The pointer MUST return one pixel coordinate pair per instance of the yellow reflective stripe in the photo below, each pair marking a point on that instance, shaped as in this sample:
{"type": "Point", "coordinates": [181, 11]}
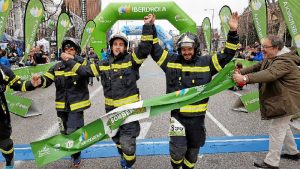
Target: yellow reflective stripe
{"type": "Point", "coordinates": [194, 108]}
{"type": "Point", "coordinates": [49, 75]}
{"type": "Point", "coordinates": [6, 78]}
{"type": "Point", "coordinates": [14, 80]}
{"type": "Point", "coordinates": [136, 59]}
{"type": "Point", "coordinates": [231, 46]}
{"type": "Point", "coordinates": [60, 105]}
{"type": "Point", "coordinates": [7, 152]}
{"type": "Point", "coordinates": [59, 73]}
{"type": "Point", "coordinates": [23, 89]}
{"type": "Point", "coordinates": [174, 65]}
{"type": "Point", "coordinates": [62, 73]}
{"type": "Point", "coordinates": [94, 70]}
{"type": "Point", "coordinates": [195, 69]}
{"type": "Point", "coordinates": [187, 163]}
{"type": "Point", "coordinates": [146, 37]}
{"type": "Point", "coordinates": [84, 63]}
{"type": "Point", "coordinates": [176, 161]}
{"type": "Point", "coordinates": [121, 102]}
{"type": "Point", "coordinates": [104, 68]}
{"type": "Point", "coordinates": [162, 57]}
{"type": "Point", "coordinates": [80, 105]}
{"type": "Point", "coordinates": [44, 83]}
{"type": "Point", "coordinates": [216, 62]}
{"type": "Point", "coordinates": [188, 68]}
{"type": "Point", "coordinates": [122, 65]}
{"type": "Point", "coordinates": [76, 67]}
{"type": "Point", "coordinates": [118, 145]}
{"type": "Point", "coordinates": [155, 40]}
{"type": "Point", "coordinates": [128, 157]}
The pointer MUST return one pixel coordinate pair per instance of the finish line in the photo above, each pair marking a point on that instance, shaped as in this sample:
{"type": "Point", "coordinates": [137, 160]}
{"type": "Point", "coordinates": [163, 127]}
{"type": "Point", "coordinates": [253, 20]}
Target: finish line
{"type": "Point", "coordinates": [154, 147]}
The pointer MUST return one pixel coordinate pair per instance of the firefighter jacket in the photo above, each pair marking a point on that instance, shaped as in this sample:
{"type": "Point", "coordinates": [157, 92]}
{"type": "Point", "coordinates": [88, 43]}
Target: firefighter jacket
{"type": "Point", "coordinates": [9, 79]}
{"type": "Point", "coordinates": [182, 74]}
{"type": "Point", "coordinates": [72, 92]}
{"type": "Point", "coordinates": [119, 74]}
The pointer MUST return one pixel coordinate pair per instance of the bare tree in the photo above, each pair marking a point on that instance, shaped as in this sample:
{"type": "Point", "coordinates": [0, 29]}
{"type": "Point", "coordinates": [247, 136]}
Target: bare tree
{"type": "Point", "coordinates": [276, 19]}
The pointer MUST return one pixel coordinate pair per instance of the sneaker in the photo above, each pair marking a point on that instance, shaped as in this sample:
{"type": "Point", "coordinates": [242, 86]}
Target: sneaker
{"type": "Point", "coordinates": [125, 167]}
{"type": "Point", "coordinates": [295, 157]}
{"type": "Point", "coordinates": [76, 162]}
{"type": "Point", "coordinates": [9, 167]}
{"type": "Point", "coordinates": [123, 162]}
{"type": "Point", "coordinates": [262, 164]}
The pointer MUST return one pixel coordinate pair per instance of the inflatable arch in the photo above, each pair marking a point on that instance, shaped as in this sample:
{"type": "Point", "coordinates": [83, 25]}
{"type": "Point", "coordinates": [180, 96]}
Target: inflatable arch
{"type": "Point", "coordinates": [136, 11]}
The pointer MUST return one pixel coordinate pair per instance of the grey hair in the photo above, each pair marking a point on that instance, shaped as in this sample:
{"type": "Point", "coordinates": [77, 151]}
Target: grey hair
{"type": "Point", "coordinates": [276, 41]}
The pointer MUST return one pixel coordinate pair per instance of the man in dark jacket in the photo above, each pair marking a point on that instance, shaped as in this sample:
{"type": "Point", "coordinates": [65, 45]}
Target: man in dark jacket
{"type": "Point", "coordinates": [278, 76]}
{"type": "Point", "coordinates": [119, 75]}
{"type": "Point", "coordinates": [8, 78]}
{"type": "Point", "coordinates": [72, 94]}
{"type": "Point", "coordinates": [184, 70]}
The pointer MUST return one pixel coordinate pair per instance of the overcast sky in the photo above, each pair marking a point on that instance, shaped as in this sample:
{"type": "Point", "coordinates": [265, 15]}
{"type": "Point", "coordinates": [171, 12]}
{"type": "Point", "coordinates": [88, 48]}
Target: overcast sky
{"type": "Point", "coordinates": [196, 8]}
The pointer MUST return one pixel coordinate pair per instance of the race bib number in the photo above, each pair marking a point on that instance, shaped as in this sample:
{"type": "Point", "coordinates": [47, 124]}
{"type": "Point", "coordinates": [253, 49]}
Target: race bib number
{"type": "Point", "coordinates": [176, 128]}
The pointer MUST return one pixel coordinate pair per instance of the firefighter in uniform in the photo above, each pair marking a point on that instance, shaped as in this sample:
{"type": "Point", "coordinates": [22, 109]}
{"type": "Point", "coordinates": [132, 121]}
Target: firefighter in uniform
{"type": "Point", "coordinates": [119, 74]}
{"type": "Point", "coordinates": [72, 94]}
{"type": "Point", "coordinates": [184, 70]}
{"type": "Point", "coordinates": [9, 79]}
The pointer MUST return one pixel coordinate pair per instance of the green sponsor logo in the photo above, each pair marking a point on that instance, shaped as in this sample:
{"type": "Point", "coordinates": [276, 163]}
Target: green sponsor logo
{"type": "Point", "coordinates": [65, 23]}
{"type": "Point", "coordinates": [4, 5]}
{"type": "Point", "coordinates": [36, 12]}
{"type": "Point", "coordinates": [256, 5]}
{"type": "Point", "coordinates": [85, 140]}
{"type": "Point", "coordinates": [126, 9]}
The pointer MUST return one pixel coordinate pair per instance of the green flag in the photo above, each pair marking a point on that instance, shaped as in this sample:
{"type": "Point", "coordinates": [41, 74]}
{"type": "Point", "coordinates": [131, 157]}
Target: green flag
{"type": "Point", "coordinates": [33, 17]}
{"type": "Point", "coordinates": [87, 33]}
{"type": "Point", "coordinates": [290, 12]}
{"type": "Point", "coordinates": [206, 27]}
{"type": "Point", "coordinates": [59, 146]}
{"type": "Point", "coordinates": [4, 11]}
{"type": "Point", "coordinates": [225, 14]}
{"type": "Point", "coordinates": [63, 25]}
{"type": "Point", "coordinates": [259, 14]}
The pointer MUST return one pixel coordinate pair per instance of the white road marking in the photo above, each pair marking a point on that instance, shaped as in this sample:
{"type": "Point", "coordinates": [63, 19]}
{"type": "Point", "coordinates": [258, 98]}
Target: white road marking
{"type": "Point", "coordinates": [238, 94]}
{"type": "Point", "coordinates": [223, 128]}
{"type": "Point", "coordinates": [145, 126]}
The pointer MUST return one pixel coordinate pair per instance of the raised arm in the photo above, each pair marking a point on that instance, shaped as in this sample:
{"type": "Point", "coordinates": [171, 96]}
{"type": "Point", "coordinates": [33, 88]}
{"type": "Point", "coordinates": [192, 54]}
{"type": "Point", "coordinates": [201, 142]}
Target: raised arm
{"type": "Point", "coordinates": [220, 59]}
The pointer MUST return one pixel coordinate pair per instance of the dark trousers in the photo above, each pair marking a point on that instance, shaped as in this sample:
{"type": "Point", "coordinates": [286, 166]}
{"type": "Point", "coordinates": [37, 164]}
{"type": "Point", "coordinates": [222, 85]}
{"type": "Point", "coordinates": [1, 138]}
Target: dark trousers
{"type": "Point", "coordinates": [70, 122]}
{"type": "Point", "coordinates": [7, 150]}
{"type": "Point", "coordinates": [184, 149]}
{"type": "Point", "coordinates": [125, 140]}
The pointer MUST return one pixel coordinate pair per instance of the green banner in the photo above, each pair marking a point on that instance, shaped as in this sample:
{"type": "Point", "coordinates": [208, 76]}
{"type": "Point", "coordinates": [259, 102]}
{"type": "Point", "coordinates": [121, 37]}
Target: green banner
{"type": "Point", "coordinates": [63, 25]}
{"type": "Point", "coordinates": [259, 15]}
{"type": "Point", "coordinates": [206, 27]}
{"type": "Point", "coordinates": [33, 17]}
{"type": "Point", "coordinates": [59, 146]}
{"type": "Point", "coordinates": [87, 33]}
{"type": "Point", "coordinates": [17, 104]}
{"type": "Point", "coordinates": [225, 14]}
{"type": "Point", "coordinates": [290, 12]}
{"type": "Point", "coordinates": [136, 11]}
{"type": "Point", "coordinates": [26, 72]}
{"type": "Point", "coordinates": [251, 101]}
{"type": "Point", "coordinates": [4, 11]}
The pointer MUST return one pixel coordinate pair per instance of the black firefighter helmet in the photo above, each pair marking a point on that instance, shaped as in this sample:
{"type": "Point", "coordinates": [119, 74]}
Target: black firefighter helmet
{"type": "Point", "coordinates": [188, 39]}
{"type": "Point", "coordinates": [71, 42]}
